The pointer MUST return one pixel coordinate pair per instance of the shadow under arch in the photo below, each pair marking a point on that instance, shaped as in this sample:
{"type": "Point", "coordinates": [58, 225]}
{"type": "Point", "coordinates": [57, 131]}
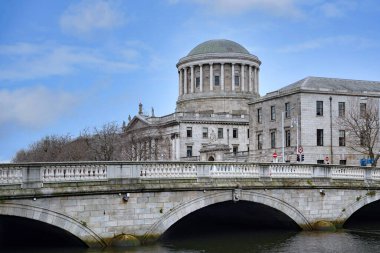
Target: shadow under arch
{"type": "Point", "coordinates": [74, 227]}
{"type": "Point", "coordinates": [355, 206]}
{"type": "Point", "coordinates": [183, 209]}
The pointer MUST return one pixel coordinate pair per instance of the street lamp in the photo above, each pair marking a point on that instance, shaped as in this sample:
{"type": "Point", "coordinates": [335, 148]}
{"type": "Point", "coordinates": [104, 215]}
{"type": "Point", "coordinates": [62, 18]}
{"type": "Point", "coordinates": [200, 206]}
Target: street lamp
{"type": "Point", "coordinates": [295, 120]}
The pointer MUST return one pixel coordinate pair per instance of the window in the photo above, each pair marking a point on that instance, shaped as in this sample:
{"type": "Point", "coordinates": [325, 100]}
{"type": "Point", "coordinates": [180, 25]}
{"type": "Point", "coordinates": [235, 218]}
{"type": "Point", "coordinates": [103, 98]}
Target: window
{"type": "Point", "coordinates": [272, 112]}
{"type": "Point", "coordinates": [197, 82]}
{"type": "Point", "coordinates": [235, 133]}
{"type": "Point", "coordinates": [319, 108]}
{"type": "Point", "coordinates": [189, 132]}
{"type": "Point", "coordinates": [287, 110]}
{"type": "Point", "coordinates": [220, 133]}
{"type": "Point", "coordinates": [216, 80]}
{"type": "Point", "coordinates": [342, 109]}
{"type": "Point", "coordinates": [205, 133]}
{"type": "Point", "coordinates": [363, 138]}
{"type": "Point", "coordinates": [273, 139]}
{"type": "Point", "coordinates": [287, 138]}
{"type": "Point", "coordinates": [342, 162]}
{"type": "Point", "coordinates": [259, 141]}
{"type": "Point", "coordinates": [237, 80]}
{"type": "Point", "coordinates": [235, 149]}
{"type": "Point", "coordinates": [320, 161]}
{"type": "Point", "coordinates": [259, 115]}
{"type": "Point", "coordinates": [363, 108]}
{"type": "Point", "coordinates": [248, 133]}
{"type": "Point", "coordinates": [342, 138]}
{"type": "Point", "coordinates": [319, 137]}
{"type": "Point", "coordinates": [189, 151]}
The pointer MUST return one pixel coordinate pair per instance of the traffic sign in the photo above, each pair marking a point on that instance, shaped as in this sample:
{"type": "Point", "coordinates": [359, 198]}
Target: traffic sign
{"type": "Point", "coordinates": [300, 149]}
{"type": "Point", "coordinates": [274, 155]}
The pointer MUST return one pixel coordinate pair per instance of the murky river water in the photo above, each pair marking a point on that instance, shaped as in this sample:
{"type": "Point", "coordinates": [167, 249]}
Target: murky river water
{"type": "Point", "coordinates": [263, 241]}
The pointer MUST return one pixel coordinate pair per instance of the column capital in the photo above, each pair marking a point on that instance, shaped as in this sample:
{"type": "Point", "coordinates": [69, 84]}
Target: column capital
{"type": "Point", "coordinates": [210, 63]}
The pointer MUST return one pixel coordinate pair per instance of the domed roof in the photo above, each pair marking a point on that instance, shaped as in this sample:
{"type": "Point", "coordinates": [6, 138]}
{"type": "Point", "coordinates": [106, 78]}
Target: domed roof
{"type": "Point", "coordinates": [218, 46]}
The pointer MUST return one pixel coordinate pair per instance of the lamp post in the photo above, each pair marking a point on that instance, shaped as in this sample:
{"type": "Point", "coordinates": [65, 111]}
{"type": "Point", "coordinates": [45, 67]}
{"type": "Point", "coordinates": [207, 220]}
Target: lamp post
{"type": "Point", "coordinates": [295, 121]}
{"type": "Point", "coordinates": [283, 135]}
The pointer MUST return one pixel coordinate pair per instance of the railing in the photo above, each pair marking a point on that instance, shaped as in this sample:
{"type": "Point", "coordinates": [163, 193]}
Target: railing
{"type": "Point", "coordinates": [73, 173]}
{"type": "Point", "coordinates": [280, 171]}
{"type": "Point", "coordinates": [235, 171]}
{"type": "Point", "coordinates": [170, 171]}
{"type": "Point", "coordinates": [10, 175]}
{"type": "Point", "coordinates": [40, 174]}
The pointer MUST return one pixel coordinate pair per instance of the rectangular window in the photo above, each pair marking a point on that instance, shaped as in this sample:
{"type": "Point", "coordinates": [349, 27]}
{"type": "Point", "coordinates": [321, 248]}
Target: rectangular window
{"type": "Point", "coordinates": [259, 115]}
{"type": "Point", "coordinates": [235, 149]}
{"type": "Point", "coordinates": [189, 151]}
{"type": "Point", "coordinates": [237, 80]}
{"type": "Point", "coordinates": [319, 137]}
{"type": "Point", "coordinates": [216, 81]}
{"type": "Point", "coordinates": [248, 133]}
{"type": "Point", "coordinates": [287, 138]}
{"type": "Point", "coordinates": [272, 112]}
{"type": "Point", "coordinates": [273, 139]}
{"type": "Point", "coordinates": [363, 108]}
{"type": "Point", "coordinates": [259, 141]}
{"type": "Point", "coordinates": [342, 138]}
{"type": "Point", "coordinates": [287, 110]}
{"type": "Point", "coordinates": [205, 133]}
{"type": "Point", "coordinates": [189, 132]}
{"type": "Point", "coordinates": [342, 162]}
{"type": "Point", "coordinates": [235, 133]}
{"type": "Point", "coordinates": [197, 82]}
{"type": "Point", "coordinates": [319, 108]}
{"type": "Point", "coordinates": [220, 133]}
{"type": "Point", "coordinates": [342, 109]}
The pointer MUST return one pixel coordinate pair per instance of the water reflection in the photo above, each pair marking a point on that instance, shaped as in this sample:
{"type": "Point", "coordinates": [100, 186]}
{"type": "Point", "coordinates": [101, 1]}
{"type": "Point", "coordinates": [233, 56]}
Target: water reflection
{"type": "Point", "coordinates": [261, 241]}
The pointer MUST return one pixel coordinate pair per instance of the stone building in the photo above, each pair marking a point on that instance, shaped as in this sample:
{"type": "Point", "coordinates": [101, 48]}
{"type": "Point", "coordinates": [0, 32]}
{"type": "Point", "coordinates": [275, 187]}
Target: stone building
{"type": "Point", "coordinates": [216, 80]}
{"type": "Point", "coordinates": [313, 107]}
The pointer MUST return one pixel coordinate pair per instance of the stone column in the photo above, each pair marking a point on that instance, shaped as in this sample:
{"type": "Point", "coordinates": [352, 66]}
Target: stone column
{"type": "Point", "coordinates": [180, 83]}
{"type": "Point", "coordinates": [200, 78]}
{"type": "Point", "coordinates": [185, 80]}
{"type": "Point", "coordinates": [222, 76]}
{"type": "Point", "coordinates": [250, 78]}
{"type": "Point", "coordinates": [211, 77]}
{"type": "Point", "coordinates": [192, 79]}
{"type": "Point", "coordinates": [257, 77]}
{"type": "Point", "coordinates": [233, 75]}
{"type": "Point", "coordinates": [178, 148]}
{"type": "Point", "coordinates": [242, 77]}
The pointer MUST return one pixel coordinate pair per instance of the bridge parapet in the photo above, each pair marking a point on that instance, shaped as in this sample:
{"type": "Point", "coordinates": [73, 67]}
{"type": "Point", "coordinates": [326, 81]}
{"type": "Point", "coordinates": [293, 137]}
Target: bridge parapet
{"type": "Point", "coordinates": [34, 175]}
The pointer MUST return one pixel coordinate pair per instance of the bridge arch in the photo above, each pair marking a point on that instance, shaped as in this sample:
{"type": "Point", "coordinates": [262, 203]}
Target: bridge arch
{"type": "Point", "coordinates": [184, 209]}
{"type": "Point", "coordinates": [355, 206]}
{"type": "Point", "coordinates": [76, 228]}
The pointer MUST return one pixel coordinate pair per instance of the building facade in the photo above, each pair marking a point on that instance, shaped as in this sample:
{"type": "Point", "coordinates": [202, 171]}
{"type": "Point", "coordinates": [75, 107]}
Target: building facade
{"type": "Point", "coordinates": [216, 80]}
{"type": "Point", "coordinates": [310, 114]}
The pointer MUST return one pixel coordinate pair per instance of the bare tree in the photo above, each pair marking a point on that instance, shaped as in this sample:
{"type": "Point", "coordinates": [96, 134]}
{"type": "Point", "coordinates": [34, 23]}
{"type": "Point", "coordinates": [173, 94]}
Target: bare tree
{"type": "Point", "coordinates": [48, 149]}
{"type": "Point", "coordinates": [361, 122]}
{"type": "Point", "coordinates": [104, 142]}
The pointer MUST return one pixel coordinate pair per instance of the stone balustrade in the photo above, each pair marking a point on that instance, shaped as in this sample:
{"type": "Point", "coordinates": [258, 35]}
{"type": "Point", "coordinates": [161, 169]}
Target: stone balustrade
{"type": "Point", "coordinates": [37, 174]}
{"type": "Point", "coordinates": [10, 175]}
{"type": "Point", "coordinates": [72, 173]}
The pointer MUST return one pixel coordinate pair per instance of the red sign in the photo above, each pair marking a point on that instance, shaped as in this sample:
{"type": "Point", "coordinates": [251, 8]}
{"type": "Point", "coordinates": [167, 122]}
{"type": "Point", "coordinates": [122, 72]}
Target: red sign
{"type": "Point", "coordinates": [274, 155]}
{"type": "Point", "coordinates": [326, 158]}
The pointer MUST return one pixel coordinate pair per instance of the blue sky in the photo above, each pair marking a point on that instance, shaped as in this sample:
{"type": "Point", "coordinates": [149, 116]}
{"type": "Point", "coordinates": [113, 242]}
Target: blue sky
{"type": "Point", "coordinates": [69, 65]}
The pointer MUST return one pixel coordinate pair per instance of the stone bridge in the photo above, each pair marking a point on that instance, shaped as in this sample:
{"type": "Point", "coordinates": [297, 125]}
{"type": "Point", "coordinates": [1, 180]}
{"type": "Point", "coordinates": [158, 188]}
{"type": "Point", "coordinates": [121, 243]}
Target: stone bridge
{"type": "Point", "coordinates": [99, 201]}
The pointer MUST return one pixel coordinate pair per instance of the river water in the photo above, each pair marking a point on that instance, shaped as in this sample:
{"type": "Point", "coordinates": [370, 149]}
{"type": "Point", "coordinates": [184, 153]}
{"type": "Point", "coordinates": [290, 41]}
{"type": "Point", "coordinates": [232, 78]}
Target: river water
{"type": "Point", "coordinates": [262, 241]}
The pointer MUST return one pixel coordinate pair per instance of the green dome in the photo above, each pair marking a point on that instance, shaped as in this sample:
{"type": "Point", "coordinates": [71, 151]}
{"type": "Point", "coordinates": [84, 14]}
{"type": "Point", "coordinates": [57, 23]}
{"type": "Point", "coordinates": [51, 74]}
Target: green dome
{"type": "Point", "coordinates": [218, 46]}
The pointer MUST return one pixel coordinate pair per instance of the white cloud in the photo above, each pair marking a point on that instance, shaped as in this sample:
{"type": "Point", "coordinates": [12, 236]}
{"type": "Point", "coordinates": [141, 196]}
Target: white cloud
{"type": "Point", "coordinates": [30, 61]}
{"type": "Point", "coordinates": [352, 41]}
{"type": "Point", "coordinates": [88, 16]}
{"type": "Point", "coordinates": [34, 107]}
{"type": "Point", "coordinates": [275, 7]}
{"type": "Point", "coordinates": [337, 8]}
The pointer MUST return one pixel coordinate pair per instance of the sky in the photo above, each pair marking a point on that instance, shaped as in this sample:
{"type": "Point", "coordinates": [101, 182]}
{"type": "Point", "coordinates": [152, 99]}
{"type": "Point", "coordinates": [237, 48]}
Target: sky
{"type": "Point", "coordinates": [70, 65]}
